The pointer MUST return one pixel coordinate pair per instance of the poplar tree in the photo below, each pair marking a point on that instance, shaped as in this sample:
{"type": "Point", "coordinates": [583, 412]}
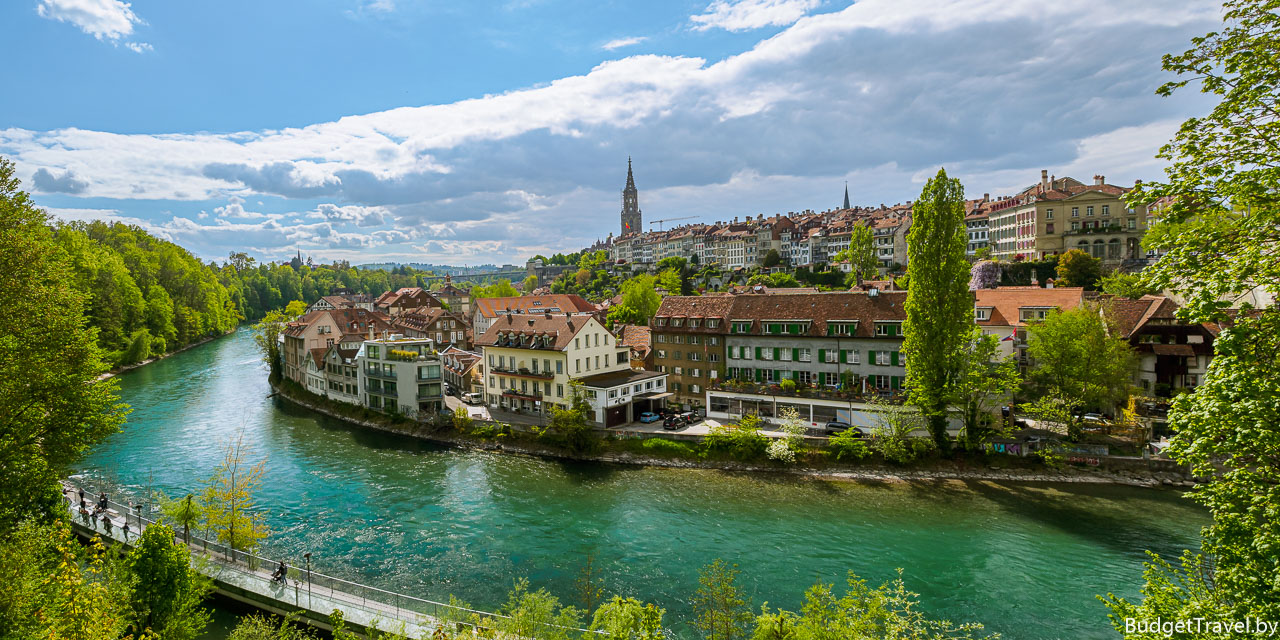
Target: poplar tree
{"type": "Point", "coordinates": [228, 501]}
{"type": "Point", "coordinates": [939, 306]}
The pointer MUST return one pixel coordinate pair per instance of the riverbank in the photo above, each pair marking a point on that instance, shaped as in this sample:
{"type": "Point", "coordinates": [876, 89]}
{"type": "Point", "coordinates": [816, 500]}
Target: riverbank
{"type": "Point", "coordinates": [981, 468]}
{"type": "Point", "coordinates": [130, 367]}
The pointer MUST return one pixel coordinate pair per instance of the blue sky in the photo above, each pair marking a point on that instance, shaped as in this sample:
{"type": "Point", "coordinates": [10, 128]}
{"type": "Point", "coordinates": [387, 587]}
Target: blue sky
{"type": "Point", "coordinates": [428, 131]}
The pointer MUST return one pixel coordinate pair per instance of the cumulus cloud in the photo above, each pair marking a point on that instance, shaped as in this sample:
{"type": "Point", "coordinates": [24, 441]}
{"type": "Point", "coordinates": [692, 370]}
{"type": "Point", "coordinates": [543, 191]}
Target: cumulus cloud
{"type": "Point", "coordinates": [48, 182]}
{"type": "Point", "coordinates": [107, 20]}
{"type": "Point", "coordinates": [744, 15]}
{"type": "Point", "coordinates": [623, 42]}
{"type": "Point", "coordinates": [881, 91]}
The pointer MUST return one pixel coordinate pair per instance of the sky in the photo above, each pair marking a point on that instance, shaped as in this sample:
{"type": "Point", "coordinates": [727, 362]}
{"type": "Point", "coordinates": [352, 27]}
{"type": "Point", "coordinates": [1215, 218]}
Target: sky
{"type": "Point", "coordinates": [490, 131]}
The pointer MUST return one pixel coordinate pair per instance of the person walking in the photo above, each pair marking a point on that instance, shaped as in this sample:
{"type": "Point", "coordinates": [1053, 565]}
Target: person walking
{"type": "Point", "coordinates": [126, 529]}
{"type": "Point", "coordinates": [81, 495]}
{"type": "Point", "coordinates": [102, 501]}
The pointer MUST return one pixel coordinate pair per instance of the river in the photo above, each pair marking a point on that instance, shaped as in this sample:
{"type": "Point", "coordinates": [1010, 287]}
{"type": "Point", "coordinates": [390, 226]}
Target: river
{"type": "Point", "coordinates": [1026, 560]}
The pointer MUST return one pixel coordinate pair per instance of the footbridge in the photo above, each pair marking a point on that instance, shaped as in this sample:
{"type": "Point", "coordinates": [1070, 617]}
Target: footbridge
{"type": "Point", "coordinates": [309, 595]}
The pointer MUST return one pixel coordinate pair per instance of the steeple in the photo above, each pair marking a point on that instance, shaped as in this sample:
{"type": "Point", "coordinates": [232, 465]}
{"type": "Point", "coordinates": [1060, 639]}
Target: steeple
{"type": "Point", "coordinates": [846, 195]}
{"type": "Point", "coordinates": [631, 217]}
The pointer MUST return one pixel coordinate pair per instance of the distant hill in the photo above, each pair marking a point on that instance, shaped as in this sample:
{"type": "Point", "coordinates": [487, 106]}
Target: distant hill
{"type": "Point", "coordinates": [440, 269]}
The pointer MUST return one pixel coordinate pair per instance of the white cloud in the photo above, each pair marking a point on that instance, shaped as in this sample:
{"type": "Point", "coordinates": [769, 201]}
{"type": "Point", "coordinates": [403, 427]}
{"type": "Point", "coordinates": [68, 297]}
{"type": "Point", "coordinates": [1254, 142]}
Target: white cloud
{"type": "Point", "coordinates": [744, 15]}
{"type": "Point", "coordinates": [623, 42]}
{"type": "Point", "coordinates": [361, 216]}
{"type": "Point", "coordinates": [109, 20]}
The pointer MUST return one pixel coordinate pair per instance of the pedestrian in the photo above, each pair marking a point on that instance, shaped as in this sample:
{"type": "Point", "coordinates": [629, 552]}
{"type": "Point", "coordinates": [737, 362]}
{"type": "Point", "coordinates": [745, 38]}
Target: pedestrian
{"type": "Point", "coordinates": [106, 523]}
{"type": "Point", "coordinates": [126, 530]}
{"type": "Point", "coordinates": [81, 495]}
{"type": "Point", "coordinates": [102, 500]}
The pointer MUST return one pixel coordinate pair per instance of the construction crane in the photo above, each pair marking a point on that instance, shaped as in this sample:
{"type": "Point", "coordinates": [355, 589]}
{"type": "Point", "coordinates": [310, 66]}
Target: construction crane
{"type": "Point", "coordinates": [659, 222]}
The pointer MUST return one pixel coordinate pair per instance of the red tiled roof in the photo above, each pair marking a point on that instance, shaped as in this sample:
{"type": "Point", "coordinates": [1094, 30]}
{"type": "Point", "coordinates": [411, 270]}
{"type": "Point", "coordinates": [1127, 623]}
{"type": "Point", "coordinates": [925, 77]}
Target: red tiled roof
{"type": "Point", "coordinates": [559, 327]}
{"type": "Point", "coordinates": [1005, 302]}
{"type": "Point", "coordinates": [557, 303]}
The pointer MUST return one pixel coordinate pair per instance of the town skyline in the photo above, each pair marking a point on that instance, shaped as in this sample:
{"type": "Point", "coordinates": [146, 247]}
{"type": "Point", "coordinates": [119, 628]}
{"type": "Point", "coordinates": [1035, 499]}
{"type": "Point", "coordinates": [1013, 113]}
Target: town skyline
{"type": "Point", "coordinates": [531, 158]}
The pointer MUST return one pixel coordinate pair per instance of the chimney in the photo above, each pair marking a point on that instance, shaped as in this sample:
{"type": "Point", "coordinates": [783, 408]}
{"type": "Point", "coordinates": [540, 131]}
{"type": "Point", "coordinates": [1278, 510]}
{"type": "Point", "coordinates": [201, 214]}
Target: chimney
{"type": "Point", "coordinates": [986, 197]}
{"type": "Point", "coordinates": [1044, 179]}
{"type": "Point", "coordinates": [1099, 180]}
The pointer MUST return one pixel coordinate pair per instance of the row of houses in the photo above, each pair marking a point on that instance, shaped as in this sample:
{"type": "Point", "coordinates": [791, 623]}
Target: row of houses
{"type": "Point", "coordinates": [1044, 219]}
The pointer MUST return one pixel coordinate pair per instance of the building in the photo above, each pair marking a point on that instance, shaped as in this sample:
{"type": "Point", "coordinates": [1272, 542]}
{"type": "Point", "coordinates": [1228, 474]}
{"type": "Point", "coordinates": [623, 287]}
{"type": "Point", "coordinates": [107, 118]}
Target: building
{"type": "Point", "coordinates": [446, 328]}
{"type": "Point", "coordinates": [1005, 312]}
{"type": "Point", "coordinates": [325, 328]}
{"type": "Point", "coordinates": [1171, 356]}
{"type": "Point", "coordinates": [639, 339]}
{"type": "Point", "coordinates": [688, 334]}
{"type": "Point", "coordinates": [530, 361]}
{"type": "Point", "coordinates": [332, 372]}
{"type": "Point", "coordinates": [404, 299]}
{"type": "Point", "coordinates": [632, 219]}
{"type": "Point", "coordinates": [1059, 214]}
{"type": "Point", "coordinates": [342, 301]}
{"type": "Point", "coordinates": [463, 370]}
{"type": "Point", "coordinates": [401, 375]}
{"type": "Point", "coordinates": [454, 299]}
{"type": "Point", "coordinates": [487, 310]}
{"type": "Point", "coordinates": [975, 225]}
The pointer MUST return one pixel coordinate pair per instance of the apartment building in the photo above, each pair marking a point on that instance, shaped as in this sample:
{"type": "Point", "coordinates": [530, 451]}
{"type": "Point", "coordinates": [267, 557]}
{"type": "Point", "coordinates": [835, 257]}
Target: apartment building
{"type": "Point", "coordinates": [456, 299]}
{"type": "Point", "coordinates": [324, 328]}
{"type": "Point", "coordinates": [1059, 214]}
{"type": "Point", "coordinates": [400, 375]}
{"type": "Point", "coordinates": [530, 360]}
{"type": "Point", "coordinates": [404, 299]}
{"type": "Point", "coordinates": [463, 369]}
{"type": "Point", "coordinates": [1172, 356]}
{"type": "Point", "coordinates": [488, 310]}
{"type": "Point", "coordinates": [1006, 312]}
{"type": "Point", "coordinates": [446, 328]}
{"type": "Point", "coordinates": [688, 334]}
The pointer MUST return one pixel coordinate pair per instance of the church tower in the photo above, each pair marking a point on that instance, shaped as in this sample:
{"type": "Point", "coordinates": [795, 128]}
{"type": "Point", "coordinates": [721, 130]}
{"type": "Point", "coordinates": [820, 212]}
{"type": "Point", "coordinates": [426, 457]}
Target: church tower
{"type": "Point", "coordinates": [631, 218]}
{"type": "Point", "coordinates": [846, 195]}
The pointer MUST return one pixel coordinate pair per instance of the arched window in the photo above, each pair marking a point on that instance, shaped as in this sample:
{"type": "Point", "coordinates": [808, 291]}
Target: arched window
{"type": "Point", "coordinates": [1099, 249]}
{"type": "Point", "coordinates": [1113, 249]}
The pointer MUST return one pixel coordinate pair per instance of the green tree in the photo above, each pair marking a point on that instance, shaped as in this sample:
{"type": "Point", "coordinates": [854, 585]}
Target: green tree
{"type": "Point", "coordinates": [529, 284]}
{"type": "Point", "coordinates": [228, 500]}
{"type": "Point", "coordinates": [167, 592]}
{"type": "Point", "coordinates": [628, 619]}
{"type": "Point", "coordinates": [1074, 359]}
{"type": "Point", "coordinates": [572, 425]}
{"type": "Point", "coordinates": [771, 259]}
{"type": "Point", "coordinates": [861, 255]}
{"type": "Point", "coordinates": [720, 607]}
{"type": "Point", "coordinates": [185, 513]}
{"type": "Point", "coordinates": [985, 382]}
{"type": "Point", "coordinates": [266, 333]}
{"type": "Point", "coordinates": [1125, 285]}
{"type": "Point", "coordinates": [499, 289]}
{"type": "Point", "coordinates": [588, 585]}
{"type": "Point", "coordinates": [939, 306]}
{"type": "Point", "coordinates": [139, 348]}
{"type": "Point", "coordinates": [53, 407]}
{"type": "Point", "coordinates": [295, 309]}
{"type": "Point", "coordinates": [536, 614]}
{"type": "Point", "coordinates": [639, 302]}
{"type": "Point", "coordinates": [1078, 269]}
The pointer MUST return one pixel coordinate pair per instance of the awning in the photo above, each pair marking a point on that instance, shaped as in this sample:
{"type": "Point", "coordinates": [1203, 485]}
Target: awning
{"type": "Point", "coordinates": [1173, 350]}
{"type": "Point", "coordinates": [653, 395]}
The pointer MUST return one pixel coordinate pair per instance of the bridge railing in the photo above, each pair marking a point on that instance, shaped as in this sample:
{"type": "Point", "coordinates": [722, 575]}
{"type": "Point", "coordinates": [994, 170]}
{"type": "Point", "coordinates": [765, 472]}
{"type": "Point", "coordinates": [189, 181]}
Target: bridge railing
{"type": "Point", "coordinates": [379, 604]}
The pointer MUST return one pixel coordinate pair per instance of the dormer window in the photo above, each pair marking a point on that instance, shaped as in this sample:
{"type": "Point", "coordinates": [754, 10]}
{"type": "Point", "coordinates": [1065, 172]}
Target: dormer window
{"type": "Point", "coordinates": [677, 322]}
{"type": "Point", "coordinates": [982, 313]}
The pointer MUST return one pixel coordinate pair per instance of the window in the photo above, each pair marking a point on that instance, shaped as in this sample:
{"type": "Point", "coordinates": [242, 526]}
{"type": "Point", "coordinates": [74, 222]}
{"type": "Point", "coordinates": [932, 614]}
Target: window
{"type": "Point", "coordinates": [1075, 226]}
{"type": "Point", "coordinates": [1106, 209]}
{"type": "Point", "coordinates": [373, 352]}
{"type": "Point", "coordinates": [575, 344]}
{"type": "Point", "coordinates": [675, 355]}
{"type": "Point", "coordinates": [714, 357]}
{"type": "Point", "coordinates": [713, 340]}
{"type": "Point", "coordinates": [678, 371]}
{"type": "Point", "coordinates": [786, 355]}
{"type": "Point", "coordinates": [852, 356]}
{"type": "Point", "coordinates": [1048, 228]}
{"type": "Point", "coordinates": [577, 365]}
{"type": "Point", "coordinates": [659, 338]}
{"type": "Point", "coordinates": [693, 323]}
{"type": "Point", "coordinates": [840, 328]}
{"type": "Point", "coordinates": [1133, 223]}
{"type": "Point", "coordinates": [1075, 212]}
{"type": "Point", "coordinates": [882, 357]}
{"type": "Point", "coordinates": [712, 323]}
{"type": "Point", "coordinates": [693, 339]}
{"type": "Point", "coordinates": [1088, 211]}
{"type": "Point", "coordinates": [695, 356]}
{"type": "Point", "coordinates": [693, 388]}
{"type": "Point", "coordinates": [765, 353]}
{"type": "Point", "coordinates": [598, 361]}
{"type": "Point", "coordinates": [559, 366]}
{"type": "Point", "coordinates": [695, 373]}
{"type": "Point", "coordinates": [622, 357]}
{"type": "Point", "coordinates": [885, 329]}
{"type": "Point", "coordinates": [805, 355]}
{"type": "Point", "coordinates": [982, 314]}
{"type": "Point", "coordinates": [1048, 214]}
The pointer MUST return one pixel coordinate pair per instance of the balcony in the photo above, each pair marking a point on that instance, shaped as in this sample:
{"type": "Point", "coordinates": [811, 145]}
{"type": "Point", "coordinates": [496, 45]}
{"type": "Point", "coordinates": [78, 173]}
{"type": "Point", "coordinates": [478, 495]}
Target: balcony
{"type": "Point", "coordinates": [522, 372]}
{"type": "Point", "coordinates": [808, 391]}
{"type": "Point", "coordinates": [379, 373]}
{"type": "Point", "coordinates": [524, 395]}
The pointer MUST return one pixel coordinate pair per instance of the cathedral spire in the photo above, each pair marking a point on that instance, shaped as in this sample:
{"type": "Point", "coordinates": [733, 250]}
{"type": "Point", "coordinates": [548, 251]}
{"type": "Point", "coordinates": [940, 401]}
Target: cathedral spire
{"type": "Point", "coordinates": [631, 181]}
{"type": "Point", "coordinates": [631, 218]}
{"type": "Point", "coordinates": [846, 195]}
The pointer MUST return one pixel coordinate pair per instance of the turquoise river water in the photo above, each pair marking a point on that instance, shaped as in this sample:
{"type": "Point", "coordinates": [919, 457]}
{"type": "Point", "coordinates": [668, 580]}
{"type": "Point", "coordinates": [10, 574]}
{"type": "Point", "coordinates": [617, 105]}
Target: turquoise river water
{"type": "Point", "coordinates": [1026, 560]}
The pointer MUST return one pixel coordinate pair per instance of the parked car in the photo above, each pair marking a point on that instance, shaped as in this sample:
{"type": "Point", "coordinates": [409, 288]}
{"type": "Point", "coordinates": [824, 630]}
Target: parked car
{"type": "Point", "coordinates": [690, 417]}
{"type": "Point", "coordinates": [648, 417]}
{"type": "Point", "coordinates": [473, 398]}
{"type": "Point", "coordinates": [836, 427]}
{"type": "Point", "coordinates": [673, 423]}
{"type": "Point", "coordinates": [448, 389]}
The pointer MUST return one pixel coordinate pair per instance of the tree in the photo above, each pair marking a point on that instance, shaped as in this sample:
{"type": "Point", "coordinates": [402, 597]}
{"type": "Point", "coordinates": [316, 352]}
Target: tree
{"type": "Point", "coordinates": [185, 513]}
{"type": "Point", "coordinates": [499, 289]}
{"type": "Point", "coordinates": [267, 335]}
{"type": "Point", "coordinates": [893, 438]}
{"type": "Point", "coordinates": [986, 380]}
{"type": "Point", "coordinates": [1125, 285]}
{"type": "Point", "coordinates": [529, 284]}
{"type": "Point", "coordinates": [588, 585]}
{"type": "Point", "coordinates": [139, 347]}
{"type": "Point", "coordinates": [295, 309]}
{"type": "Point", "coordinates": [784, 449]}
{"type": "Point", "coordinates": [167, 592]}
{"type": "Point", "coordinates": [53, 407]}
{"type": "Point", "coordinates": [771, 259]}
{"type": "Point", "coordinates": [1074, 358]}
{"type": "Point", "coordinates": [671, 281]}
{"type": "Point", "coordinates": [720, 608]}
{"type": "Point", "coordinates": [939, 307]}
{"type": "Point", "coordinates": [1078, 269]}
{"type": "Point", "coordinates": [228, 498]}
{"type": "Point", "coordinates": [861, 254]}
{"type": "Point", "coordinates": [572, 425]}
{"type": "Point", "coordinates": [984, 274]}
{"type": "Point", "coordinates": [639, 301]}
{"type": "Point", "coordinates": [628, 619]}
{"type": "Point", "coordinates": [536, 614]}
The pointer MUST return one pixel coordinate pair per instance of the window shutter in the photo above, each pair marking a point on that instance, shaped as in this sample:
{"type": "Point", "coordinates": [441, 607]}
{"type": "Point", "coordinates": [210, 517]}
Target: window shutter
{"type": "Point", "coordinates": [759, 375]}
{"type": "Point", "coordinates": [795, 355]}
{"type": "Point", "coordinates": [758, 357]}
{"type": "Point", "coordinates": [893, 358]}
{"type": "Point", "coordinates": [777, 353]}
{"type": "Point", "coordinates": [822, 355]}
{"type": "Point", "coordinates": [871, 357]}
{"type": "Point", "coordinates": [844, 357]}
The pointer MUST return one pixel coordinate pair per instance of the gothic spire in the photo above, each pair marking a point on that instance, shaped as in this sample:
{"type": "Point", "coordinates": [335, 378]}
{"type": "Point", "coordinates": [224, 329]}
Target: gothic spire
{"type": "Point", "coordinates": [631, 181]}
{"type": "Point", "coordinates": [846, 195]}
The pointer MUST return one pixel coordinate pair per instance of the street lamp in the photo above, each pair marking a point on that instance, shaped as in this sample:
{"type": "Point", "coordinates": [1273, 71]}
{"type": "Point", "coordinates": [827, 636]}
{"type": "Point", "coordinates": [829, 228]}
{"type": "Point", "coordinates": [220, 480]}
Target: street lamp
{"type": "Point", "coordinates": [307, 555]}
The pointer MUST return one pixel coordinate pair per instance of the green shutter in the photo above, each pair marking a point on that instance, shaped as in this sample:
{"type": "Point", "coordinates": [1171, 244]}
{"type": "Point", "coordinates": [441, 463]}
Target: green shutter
{"type": "Point", "coordinates": [795, 375]}
{"type": "Point", "coordinates": [777, 354]}
{"type": "Point", "coordinates": [871, 357]}
{"type": "Point", "coordinates": [759, 375]}
{"type": "Point", "coordinates": [844, 357]}
{"type": "Point", "coordinates": [757, 353]}
{"type": "Point", "coordinates": [822, 355]}
{"type": "Point", "coordinates": [795, 355]}
{"type": "Point", "coordinates": [831, 330]}
{"type": "Point", "coordinates": [893, 358]}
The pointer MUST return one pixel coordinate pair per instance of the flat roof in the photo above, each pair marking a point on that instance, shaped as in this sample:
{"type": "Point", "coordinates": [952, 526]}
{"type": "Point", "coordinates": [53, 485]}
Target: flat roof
{"type": "Point", "coordinates": [618, 378]}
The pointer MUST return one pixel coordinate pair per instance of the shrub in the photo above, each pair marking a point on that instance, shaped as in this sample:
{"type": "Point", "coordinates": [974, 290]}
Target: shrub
{"type": "Point", "coordinates": [662, 446]}
{"type": "Point", "coordinates": [462, 420]}
{"type": "Point", "coordinates": [742, 441]}
{"type": "Point", "coordinates": [848, 444]}
{"type": "Point", "coordinates": [788, 386]}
